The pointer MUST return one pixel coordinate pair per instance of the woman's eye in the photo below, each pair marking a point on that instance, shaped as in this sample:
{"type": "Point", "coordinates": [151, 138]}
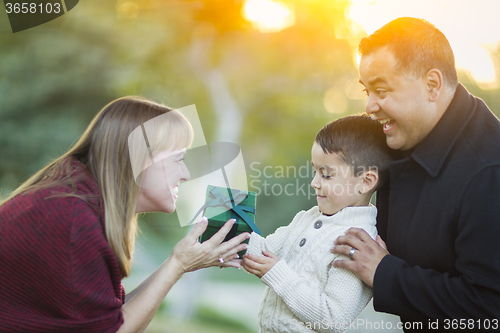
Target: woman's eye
{"type": "Point", "coordinates": [327, 176]}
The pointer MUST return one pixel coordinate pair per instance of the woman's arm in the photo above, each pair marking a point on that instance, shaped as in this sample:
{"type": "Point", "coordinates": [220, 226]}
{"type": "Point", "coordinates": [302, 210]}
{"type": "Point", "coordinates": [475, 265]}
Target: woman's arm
{"type": "Point", "coordinates": [131, 294]}
{"type": "Point", "coordinates": [188, 255]}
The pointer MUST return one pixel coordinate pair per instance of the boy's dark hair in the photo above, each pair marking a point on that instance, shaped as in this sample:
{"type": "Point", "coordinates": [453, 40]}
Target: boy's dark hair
{"type": "Point", "coordinates": [417, 45]}
{"type": "Point", "coordinates": [360, 142]}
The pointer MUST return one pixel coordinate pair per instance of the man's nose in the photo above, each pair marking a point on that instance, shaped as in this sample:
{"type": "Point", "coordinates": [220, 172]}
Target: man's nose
{"type": "Point", "coordinates": [372, 105]}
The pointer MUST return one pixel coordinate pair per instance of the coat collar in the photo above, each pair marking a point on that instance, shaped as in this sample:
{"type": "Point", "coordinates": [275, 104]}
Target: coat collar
{"type": "Point", "coordinates": [434, 149]}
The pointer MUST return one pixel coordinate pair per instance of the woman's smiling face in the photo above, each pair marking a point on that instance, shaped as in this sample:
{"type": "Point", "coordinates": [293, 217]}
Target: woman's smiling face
{"type": "Point", "coordinates": [160, 182]}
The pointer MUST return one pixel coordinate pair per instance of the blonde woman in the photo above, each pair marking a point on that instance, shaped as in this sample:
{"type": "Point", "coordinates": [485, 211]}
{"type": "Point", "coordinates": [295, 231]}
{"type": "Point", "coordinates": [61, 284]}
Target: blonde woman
{"type": "Point", "coordinates": [67, 233]}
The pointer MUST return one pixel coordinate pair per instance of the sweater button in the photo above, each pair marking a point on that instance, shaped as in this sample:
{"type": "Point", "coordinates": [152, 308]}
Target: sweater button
{"type": "Point", "coordinates": [302, 242]}
{"type": "Point", "coordinates": [318, 224]}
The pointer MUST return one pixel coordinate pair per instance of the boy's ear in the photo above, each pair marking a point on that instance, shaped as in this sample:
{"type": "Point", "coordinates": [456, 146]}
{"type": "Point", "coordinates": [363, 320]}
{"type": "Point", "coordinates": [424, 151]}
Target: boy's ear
{"type": "Point", "coordinates": [369, 181]}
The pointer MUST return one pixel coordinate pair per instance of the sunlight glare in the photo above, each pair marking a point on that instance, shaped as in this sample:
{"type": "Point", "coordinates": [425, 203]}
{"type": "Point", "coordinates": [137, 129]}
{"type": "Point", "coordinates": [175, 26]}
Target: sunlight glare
{"type": "Point", "coordinates": [335, 101]}
{"type": "Point", "coordinates": [268, 15]}
{"type": "Point", "coordinates": [471, 27]}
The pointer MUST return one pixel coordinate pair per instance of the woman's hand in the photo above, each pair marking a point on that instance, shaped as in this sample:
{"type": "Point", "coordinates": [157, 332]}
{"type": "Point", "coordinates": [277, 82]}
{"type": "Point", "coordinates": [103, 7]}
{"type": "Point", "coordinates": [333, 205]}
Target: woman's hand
{"type": "Point", "coordinates": [189, 254]}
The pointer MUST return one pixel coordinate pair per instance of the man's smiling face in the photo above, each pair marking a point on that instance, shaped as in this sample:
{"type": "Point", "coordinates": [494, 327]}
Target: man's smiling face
{"type": "Point", "coordinates": [398, 100]}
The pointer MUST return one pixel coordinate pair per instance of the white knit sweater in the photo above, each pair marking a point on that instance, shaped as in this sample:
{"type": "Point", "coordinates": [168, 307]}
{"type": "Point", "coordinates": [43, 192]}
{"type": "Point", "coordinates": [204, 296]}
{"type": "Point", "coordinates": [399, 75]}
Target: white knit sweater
{"type": "Point", "coordinates": [305, 293]}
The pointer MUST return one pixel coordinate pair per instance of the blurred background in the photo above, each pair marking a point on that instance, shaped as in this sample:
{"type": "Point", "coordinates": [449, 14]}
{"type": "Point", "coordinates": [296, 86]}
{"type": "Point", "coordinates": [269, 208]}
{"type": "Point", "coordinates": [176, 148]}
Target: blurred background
{"type": "Point", "coordinates": [265, 74]}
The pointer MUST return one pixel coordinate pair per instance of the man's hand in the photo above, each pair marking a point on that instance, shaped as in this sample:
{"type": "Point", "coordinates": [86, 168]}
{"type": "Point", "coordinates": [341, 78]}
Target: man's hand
{"type": "Point", "coordinates": [259, 265]}
{"type": "Point", "coordinates": [368, 255]}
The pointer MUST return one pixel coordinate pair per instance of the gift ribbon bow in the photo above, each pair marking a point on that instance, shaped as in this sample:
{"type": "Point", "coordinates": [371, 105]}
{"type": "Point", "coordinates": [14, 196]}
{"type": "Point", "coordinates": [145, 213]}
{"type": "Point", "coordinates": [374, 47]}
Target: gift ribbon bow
{"type": "Point", "coordinates": [228, 202]}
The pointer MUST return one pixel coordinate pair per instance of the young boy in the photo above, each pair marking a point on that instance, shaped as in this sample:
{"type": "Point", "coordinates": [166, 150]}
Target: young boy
{"type": "Point", "coordinates": [305, 293]}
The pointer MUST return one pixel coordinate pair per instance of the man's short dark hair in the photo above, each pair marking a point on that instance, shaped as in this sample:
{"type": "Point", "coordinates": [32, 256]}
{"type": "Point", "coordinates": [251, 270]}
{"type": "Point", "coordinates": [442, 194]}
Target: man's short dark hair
{"type": "Point", "coordinates": [360, 142]}
{"type": "Point", "coordinates": [417, 45]}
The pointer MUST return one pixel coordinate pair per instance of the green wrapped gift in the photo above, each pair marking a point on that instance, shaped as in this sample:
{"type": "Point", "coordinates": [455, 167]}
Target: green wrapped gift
{"type": "Point", "coordinates": [220, 206]}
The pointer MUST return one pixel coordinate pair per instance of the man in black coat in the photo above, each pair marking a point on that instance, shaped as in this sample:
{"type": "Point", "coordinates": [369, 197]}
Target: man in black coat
{"type": "Point", "coordinates": [440, 212]}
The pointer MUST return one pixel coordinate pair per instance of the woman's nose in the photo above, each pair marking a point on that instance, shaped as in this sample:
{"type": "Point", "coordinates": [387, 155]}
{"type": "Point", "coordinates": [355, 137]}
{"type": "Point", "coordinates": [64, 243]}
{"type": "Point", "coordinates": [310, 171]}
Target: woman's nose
{"type": "Point", "coordinates": [185, 175]}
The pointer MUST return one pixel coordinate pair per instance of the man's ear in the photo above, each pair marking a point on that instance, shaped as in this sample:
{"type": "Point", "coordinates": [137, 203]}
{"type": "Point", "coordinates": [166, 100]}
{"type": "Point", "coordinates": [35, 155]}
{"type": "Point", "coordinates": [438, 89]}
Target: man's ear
{"type": "Point", "coordinates": [435, 83]}
{"type": "Point", "coordinates": [369, 181]}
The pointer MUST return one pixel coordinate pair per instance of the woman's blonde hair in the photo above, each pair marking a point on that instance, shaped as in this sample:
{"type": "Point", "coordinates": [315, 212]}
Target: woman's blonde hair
{"type": "Point", "coordinates": [104, 150]}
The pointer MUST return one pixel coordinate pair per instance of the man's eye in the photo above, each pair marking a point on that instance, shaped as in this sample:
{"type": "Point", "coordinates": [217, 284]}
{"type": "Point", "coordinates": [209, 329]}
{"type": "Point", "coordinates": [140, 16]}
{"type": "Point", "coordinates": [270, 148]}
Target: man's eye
{"type": "Point", "coordinates": [381, 92]}
{"type": "Point", "coordinates": [366, 91]}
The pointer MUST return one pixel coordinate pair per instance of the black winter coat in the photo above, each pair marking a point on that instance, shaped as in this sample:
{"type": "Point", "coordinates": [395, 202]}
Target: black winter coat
{"type": "Point", "coordinates": [440, 218]}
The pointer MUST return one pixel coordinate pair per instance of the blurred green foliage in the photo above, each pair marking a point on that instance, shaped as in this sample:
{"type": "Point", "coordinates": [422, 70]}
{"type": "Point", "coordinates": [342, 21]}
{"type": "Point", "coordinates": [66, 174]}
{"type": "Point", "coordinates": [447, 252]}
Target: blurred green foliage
{"type": "Point", "coordinates": [54, 78]}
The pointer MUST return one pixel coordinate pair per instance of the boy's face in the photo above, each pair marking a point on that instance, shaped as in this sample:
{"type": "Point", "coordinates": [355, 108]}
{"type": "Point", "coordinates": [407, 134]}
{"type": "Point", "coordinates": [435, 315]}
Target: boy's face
{"type": "Point", "coordinates": [334, 182]}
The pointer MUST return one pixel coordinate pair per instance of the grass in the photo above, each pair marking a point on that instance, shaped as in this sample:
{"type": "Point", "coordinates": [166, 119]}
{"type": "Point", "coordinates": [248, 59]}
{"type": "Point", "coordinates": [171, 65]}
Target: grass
{"type": "Point", "coordinates": [206, 320]}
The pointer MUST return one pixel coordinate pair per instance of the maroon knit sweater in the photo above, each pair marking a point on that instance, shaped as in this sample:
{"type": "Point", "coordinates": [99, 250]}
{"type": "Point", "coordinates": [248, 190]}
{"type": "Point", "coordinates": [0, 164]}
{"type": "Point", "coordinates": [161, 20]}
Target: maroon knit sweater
{"type": "Point", "coordinates": [57, 270]}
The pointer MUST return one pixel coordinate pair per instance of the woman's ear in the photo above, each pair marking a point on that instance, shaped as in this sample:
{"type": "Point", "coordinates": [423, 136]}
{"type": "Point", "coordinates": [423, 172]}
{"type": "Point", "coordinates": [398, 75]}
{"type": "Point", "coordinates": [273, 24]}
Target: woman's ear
{"type": "Point", "coordinates": [369, 180]}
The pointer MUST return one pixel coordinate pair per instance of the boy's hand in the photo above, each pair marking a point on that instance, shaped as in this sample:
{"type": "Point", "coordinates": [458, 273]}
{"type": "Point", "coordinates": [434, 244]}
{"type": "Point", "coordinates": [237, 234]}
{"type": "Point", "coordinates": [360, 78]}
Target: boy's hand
{"type": "Point", "coordinates": [259, 265]}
